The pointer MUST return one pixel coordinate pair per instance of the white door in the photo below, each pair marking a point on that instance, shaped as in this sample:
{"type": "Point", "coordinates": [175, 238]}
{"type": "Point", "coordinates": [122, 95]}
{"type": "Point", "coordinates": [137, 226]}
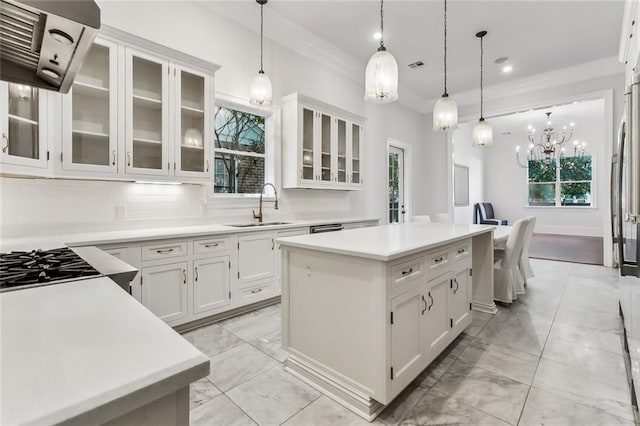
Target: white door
{"type": "Point", "coordinates": [436, 320]}
{"type": "Point", "coordinates": [396, 187]}
{"type": "Point", "coordinates": [460, 297]}
{"type": "Point", "coordinates": [164, 291]}
{"type": "Point", "coordinates": [406, 337]}
{"type": "Point", "coordinates": [211, 290]}
{"type": "Point", "coordinates": [256, 257]}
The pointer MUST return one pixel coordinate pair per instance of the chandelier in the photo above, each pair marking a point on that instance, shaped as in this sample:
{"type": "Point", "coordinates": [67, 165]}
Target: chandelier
{"type": "Point", "coordinates": [549, 145]}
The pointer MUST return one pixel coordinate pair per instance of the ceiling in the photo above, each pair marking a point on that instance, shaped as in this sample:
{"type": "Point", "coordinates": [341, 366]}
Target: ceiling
{"type": "Point", "coordinates": [537, 36]}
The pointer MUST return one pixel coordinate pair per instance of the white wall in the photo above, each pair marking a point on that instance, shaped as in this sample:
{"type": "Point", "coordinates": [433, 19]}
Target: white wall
{"type": "Point", "coordinates": [466, 154]}
{"type": "Point", "coordinates": [52, 206]}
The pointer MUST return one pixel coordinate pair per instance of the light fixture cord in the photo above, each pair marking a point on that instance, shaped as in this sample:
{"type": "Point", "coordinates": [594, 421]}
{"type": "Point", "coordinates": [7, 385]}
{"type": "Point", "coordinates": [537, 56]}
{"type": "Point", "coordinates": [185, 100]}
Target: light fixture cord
{"type": "Point", "coordinates": [382, 24]}
{"type": "Point", "coordinates": [445, 49]}
{"type": "Point", "coordinates": [481, 78]}
{"type": "Point", "coordinates": [261, 37]}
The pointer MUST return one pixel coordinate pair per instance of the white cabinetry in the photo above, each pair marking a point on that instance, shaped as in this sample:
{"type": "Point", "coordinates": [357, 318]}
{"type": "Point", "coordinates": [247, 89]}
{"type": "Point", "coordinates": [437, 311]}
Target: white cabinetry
{"type": "Point", "coordinates": [211, 284]}
{"type": "Point", "coordinates": [256, 257]}
{"type": "Point", "coordinates": [436, 316]}
{"type": "Point", "coordinates": [322, 145]}
{"type": "Point", "coordinates": [164, 291]}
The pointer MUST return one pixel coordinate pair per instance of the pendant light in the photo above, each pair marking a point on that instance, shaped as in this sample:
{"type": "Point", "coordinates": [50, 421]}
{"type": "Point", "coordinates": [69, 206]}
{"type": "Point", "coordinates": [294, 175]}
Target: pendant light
{"type": "Point", "coordinates": [261, 90]}
{"type": "Point", "coordinates": [445, 112]}
{"type": "Point", "coordinates": [482, 132]}
{"type": "Point", "coordinates": [381, 76]}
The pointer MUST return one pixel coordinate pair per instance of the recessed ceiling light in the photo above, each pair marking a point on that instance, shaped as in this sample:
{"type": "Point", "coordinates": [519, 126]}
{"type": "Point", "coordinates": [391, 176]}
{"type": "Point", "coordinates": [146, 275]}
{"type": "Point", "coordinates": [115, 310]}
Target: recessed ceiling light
{"type": "Point", "coordinates": [377, 35]}
{"type": "Point", "coordinates": [507, 69]}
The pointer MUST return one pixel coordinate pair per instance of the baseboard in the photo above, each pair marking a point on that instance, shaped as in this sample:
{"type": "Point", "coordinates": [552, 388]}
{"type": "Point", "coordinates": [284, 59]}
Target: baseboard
{"type": "Point", "coordinates": [582, 231]}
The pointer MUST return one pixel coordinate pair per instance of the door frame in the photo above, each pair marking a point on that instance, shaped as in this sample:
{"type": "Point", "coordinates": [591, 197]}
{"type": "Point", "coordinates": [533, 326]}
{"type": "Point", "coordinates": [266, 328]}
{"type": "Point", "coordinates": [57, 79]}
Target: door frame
{"type": "Point", "coordinates": [406, 177]}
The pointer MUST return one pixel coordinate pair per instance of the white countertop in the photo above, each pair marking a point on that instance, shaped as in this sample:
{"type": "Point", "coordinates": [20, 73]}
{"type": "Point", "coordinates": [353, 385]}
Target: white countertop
{"type": "Point", "coordinates": [86, 351]}
{"type": "Point", "coordinates": [386, 242]}
{"type": "Point", "coordinates": [114, 237]}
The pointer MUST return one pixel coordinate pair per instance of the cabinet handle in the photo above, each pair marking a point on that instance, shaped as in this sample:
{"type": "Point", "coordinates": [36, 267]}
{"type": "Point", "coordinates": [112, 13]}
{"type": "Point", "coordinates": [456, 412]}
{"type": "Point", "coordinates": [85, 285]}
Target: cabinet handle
{"type": "Point", "coordinates": [438, 260]}
{"type": "Point", "coordinates": [163, 251]}
{"type": "Point", "coordinates": [430, 297]}
{"type": "Point", "coordinates": [113, 162]}
{"type": "Point", "coordinates": [300, 173]}
{"type": "Point", "coordinates": [425, 305]}
{"type": "Point", "coordinates": [195, 274]}
{"type": "Point", "coordinates": [461, 251]}
{"type": "Point", "coordinates": [407, 272]}
{"type": "Point", "coordinates": [455, 280]}
{"type": "Point", "coordinates": [129, 159]}
{"type": "Point", "coordinates": [207, 162]}
{"type": "Point", "coordinates": [256, 290]}
{"type": "Point", "coordinates": [6, 144]}
{"type": "Point", "coordinates": [272, 244]}
{"type": "Point", "coordinates": [184, 274]}
{"type": "Point", "coordinates": [211, 245]}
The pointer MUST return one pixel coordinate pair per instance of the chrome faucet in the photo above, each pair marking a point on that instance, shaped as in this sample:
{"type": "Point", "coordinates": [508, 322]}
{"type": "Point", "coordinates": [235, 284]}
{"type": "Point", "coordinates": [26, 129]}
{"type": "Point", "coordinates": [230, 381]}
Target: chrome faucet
{"type": "Point", "coordinates": [275, 205]}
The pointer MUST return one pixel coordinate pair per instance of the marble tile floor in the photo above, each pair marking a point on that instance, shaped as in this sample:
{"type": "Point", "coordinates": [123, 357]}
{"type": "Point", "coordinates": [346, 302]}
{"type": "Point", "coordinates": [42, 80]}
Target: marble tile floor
{"type": "Point", "coordinates": [552, 358]}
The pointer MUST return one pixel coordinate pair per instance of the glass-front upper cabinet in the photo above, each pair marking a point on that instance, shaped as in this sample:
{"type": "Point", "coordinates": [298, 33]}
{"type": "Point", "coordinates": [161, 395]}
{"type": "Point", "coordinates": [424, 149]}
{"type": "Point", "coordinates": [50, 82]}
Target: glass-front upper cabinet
{"type": "Point", "coordinates": [192, 131]}
{"type": "Point", "coordinates": [308, 145]}
{"type": "Point", "coordinates": [90, 122]}
{"type": "Point", "coordinates": [356, 154]}
{"type": "Point", "coordinates": [147, 114]}
{"type": "Point", "coordinates": [23, 126]}
{"type": "Point", "coordinates": [341, 150]}
{"type": "Point", "coordinates": [326, 148]}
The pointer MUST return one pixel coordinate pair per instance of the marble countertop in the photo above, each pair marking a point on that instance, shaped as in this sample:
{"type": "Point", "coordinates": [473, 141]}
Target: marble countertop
{"type": "Point", "coordinates": [85, 351]}
{"type": "Point", "coordinates": [386, 242]}
{"type": "Point", "coordinates": [114, 237]}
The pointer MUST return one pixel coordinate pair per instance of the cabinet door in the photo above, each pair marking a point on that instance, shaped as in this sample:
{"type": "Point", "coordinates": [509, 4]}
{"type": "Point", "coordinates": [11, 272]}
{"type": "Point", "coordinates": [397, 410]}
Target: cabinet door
{"type": "Point", "coordinates": [355, 161]}
{"type": "Point", "coordinates": [325, 136]}
{"type": "Point", "coordinates": [436, 319]}
{"type": "Point", "coordinates": [191, 127]}
{"type": "Point", "coordinates": [23, 125]}
{"type": "Point", "coordinates": [147, 114]}
{"type": "Point", "coordinates": [460, 297]}
{"type": "Point", "coordinates": [211, 290]}
{"type": "Point", "coordinates": [341, 137]}
{"type": "Point", "coordinates": [90, 113]}
{"type": "Point", "coordinates": [164, 291]}
{"type": "Point", "coordinates": [308, 172]}
{"type": "Point", "coordinates": [407, 357]}
{"type": "Point", "coordinates": [256, 257]}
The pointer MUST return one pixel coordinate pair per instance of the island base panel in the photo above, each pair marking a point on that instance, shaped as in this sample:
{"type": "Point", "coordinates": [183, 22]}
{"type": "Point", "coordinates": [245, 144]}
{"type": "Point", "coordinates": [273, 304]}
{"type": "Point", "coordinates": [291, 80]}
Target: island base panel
{"type": "Point", "coordinates": [170, 410]}
{"type": "Point", "coordinates": [482, 264]}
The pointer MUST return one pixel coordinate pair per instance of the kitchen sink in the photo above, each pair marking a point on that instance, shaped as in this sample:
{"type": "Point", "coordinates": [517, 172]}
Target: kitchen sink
{"type": "Point", "coordinates": [248, 225]}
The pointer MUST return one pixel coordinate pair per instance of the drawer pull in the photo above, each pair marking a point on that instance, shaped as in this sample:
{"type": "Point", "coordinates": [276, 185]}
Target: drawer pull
{"type": "Point", "coordinates": [430, 297]}
{"type": "Point", "coordinates": [425, 304]}
{"type": "Point", "coordinates": [460, 251]}
{"type": "Point", "coordinates": [407, 272]}
{"type": "Point", "coordinates": [256, 290]}
{"type": "Point", "coordinates": [184, 274]}
{"type": "Point", "coordinates": [211, 245]}
{"type": "Point", "coordinates": [196, 274]}
{"type": "Point", "coordinates": [455, 280]}
{"type": "Point", "coordinates": [438, 260]}
{"type": "Point", "coordinates": [163, 251]}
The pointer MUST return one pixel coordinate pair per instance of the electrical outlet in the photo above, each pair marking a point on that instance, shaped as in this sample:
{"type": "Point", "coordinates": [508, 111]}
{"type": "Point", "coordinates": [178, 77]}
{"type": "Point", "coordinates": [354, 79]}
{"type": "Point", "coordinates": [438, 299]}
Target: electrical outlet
{"type": "Point", "coordinates": [121, 211]}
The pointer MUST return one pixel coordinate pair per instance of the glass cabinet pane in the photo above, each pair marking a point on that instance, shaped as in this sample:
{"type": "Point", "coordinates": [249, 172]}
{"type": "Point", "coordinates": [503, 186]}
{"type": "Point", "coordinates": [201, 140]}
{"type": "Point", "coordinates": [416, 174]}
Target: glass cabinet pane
{"type": "Point", "coordinates": [23, 132]}
{"type": "Point", "coordinates": [326, 148]}
{"type": "Point", "coordinates": [90, 99]}
{"type": "Point", "coordinates": [342, 151]}
{"type": "Point", "coordinates": [147, 114]}
{"type": "Point", "coordinates": [355, 149]}
{"type": "Point", "coordinates": [307, 144]}
{"type": "Point", "coordinates": [192, 95]}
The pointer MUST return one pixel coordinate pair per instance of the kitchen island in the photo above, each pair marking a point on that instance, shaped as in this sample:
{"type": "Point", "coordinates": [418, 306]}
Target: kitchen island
{"type": "Point", "coordinates": [85, 352]}
{"type": "Point", "coordinates": [364, 311]}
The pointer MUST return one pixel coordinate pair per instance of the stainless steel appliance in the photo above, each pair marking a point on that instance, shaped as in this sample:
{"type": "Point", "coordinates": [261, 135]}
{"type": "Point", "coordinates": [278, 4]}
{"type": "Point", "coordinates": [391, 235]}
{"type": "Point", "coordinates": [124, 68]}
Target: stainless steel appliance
{"type": "Point", "coordinates": [625, 186]}
{"type": "Point", "coordinates": [318, 229]}
{"type": "Point", "coordinates": [43, 43]}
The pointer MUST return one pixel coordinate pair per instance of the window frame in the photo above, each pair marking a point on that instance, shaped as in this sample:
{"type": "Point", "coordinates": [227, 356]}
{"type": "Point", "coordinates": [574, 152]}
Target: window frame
{"type": "Point", "coordinates": [269, 155]}
{"type": "Point", "coordinates": [558, 189]}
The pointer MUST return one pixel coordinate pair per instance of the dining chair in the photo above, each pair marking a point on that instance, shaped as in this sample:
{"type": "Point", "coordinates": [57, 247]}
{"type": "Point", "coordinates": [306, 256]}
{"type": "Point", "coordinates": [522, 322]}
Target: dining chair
{"type": "Point", "coordinates": [525, 263]}
{"type": "Point", "coordinates": [421, 218]}
{"type": "Point", "coordinates": [508, 282]}
{"type": "Point", "coordinates": [441, 218]}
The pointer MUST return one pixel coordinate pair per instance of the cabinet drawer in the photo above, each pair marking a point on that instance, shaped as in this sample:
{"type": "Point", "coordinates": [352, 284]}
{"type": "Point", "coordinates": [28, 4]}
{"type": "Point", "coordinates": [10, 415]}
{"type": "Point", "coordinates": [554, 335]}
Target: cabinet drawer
{"type": "Point", "coordinates": [407, 270]}
{"type": "Point", "coordinates": [461, 250]}
{"type": "Point", "coordinates": [165, 250]}
{"type": "Point", "coordinates": [211, 245]}
{"type": "Point", "coordinates": [255, 293]}
{"type": "Point", "coordinates": [438, 262]}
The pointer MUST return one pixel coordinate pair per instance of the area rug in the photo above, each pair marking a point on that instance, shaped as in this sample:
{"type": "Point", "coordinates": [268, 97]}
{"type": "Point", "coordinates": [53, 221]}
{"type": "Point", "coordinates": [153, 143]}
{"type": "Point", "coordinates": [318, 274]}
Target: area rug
{"type": "Point", "coordinates": [567, 248]}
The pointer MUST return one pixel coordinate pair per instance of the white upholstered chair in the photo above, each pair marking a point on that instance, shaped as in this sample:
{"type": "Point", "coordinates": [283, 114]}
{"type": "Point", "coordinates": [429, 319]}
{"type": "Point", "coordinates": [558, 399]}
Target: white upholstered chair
{"type": "Point", "coordinates": [525, 263]}
{"type": "Point", "coordinates": [441, 218]}
{"type": "Point", "coordinates": [507, 278]}
{"type": "Point", "coordinates": [421, 218]}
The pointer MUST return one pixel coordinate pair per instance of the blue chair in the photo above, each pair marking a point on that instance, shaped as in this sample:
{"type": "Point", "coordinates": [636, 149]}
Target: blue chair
{"type": "Point", "coordinates": [484, 215]}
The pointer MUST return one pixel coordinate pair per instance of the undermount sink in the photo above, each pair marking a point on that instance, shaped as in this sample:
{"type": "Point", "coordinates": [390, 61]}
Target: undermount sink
{"type": "Point", "coordinates": [247, 225]}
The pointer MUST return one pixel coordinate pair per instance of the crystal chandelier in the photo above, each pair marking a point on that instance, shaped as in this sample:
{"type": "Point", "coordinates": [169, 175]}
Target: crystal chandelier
{"type": "Point", "coordinates": [549, 145]}
{"type": "Point", "coordinates": [381, 75]}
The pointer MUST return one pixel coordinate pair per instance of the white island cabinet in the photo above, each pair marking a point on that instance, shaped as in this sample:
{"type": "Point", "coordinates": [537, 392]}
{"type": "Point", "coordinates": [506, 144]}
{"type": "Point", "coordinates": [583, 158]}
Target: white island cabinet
{"type": "Point", "coordinates": [364, 311]}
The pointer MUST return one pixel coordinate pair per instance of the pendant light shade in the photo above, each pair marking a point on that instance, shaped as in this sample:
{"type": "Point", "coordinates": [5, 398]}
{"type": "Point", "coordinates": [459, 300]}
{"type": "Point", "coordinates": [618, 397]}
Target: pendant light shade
{"type": "Point", "coordinates": [381, 75]}
{"type": "Point", "coordinates": [261, 92]}
{"type": "Point", "coordinates": [482, 132]}
{"type": "Point", "coordinates": [445, 112]}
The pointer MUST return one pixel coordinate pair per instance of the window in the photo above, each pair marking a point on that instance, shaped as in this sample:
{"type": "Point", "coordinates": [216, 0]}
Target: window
{"type": "Point", "coordinates": [566, 182]}
{"type": "Point", "coordinates": [239, 151]}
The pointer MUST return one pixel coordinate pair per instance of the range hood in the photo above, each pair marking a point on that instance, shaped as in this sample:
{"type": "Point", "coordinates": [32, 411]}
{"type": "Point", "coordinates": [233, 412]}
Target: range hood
{"type": "Point", "coordinates": [43, 43]}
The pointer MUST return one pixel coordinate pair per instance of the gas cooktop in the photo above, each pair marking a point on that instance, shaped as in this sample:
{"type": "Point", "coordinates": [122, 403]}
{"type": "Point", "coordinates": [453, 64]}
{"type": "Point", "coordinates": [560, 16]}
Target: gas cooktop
{"type": "Point", "coordinates": [24, 269]}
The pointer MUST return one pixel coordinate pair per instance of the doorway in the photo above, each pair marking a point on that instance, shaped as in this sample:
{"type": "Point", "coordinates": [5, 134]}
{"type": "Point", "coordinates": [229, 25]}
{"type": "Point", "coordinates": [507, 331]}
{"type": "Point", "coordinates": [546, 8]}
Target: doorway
{"type": "Point", "coordinates": [396, 185]}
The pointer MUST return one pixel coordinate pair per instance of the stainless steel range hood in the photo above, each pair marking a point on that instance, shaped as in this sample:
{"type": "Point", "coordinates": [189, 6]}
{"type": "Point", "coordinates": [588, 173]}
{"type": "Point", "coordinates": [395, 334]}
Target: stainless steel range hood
{"type": "Point", "coordinates": [43, 43]}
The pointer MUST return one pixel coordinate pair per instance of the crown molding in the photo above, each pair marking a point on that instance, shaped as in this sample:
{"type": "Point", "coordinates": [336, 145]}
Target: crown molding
{"type": "Point", "coordinates": [563, 76]}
